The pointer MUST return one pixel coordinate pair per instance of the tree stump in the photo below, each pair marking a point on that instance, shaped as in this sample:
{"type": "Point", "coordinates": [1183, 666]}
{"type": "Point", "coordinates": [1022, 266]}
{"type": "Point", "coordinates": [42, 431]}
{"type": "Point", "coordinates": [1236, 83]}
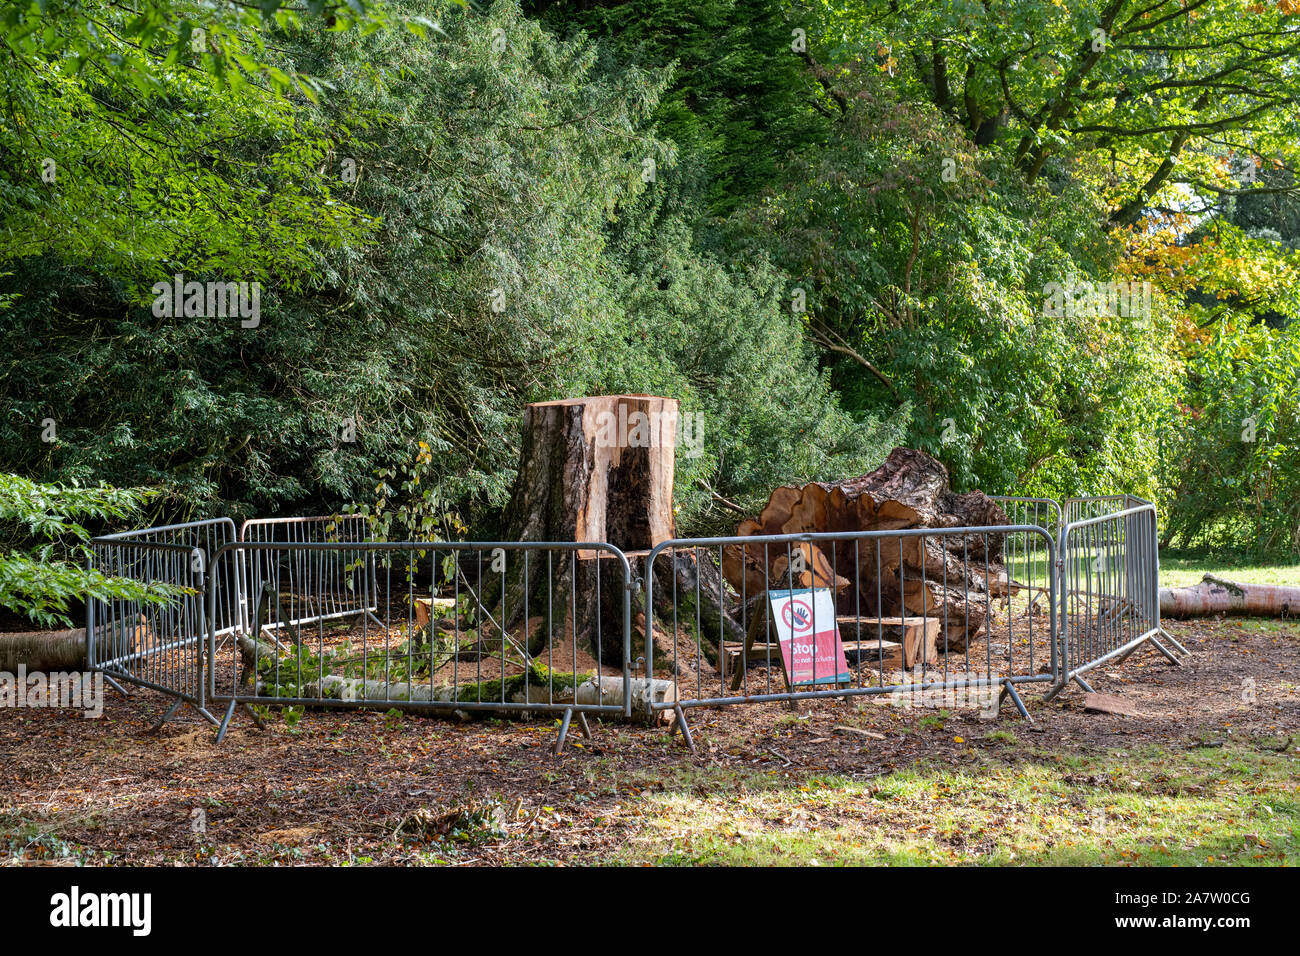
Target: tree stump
{"type": "Point", "coordinates": [596, 469]}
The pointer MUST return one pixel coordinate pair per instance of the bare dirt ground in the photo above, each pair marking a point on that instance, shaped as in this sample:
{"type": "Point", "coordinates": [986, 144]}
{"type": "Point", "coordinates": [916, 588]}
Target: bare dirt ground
{"type": "Point", "coordinates": [356, 787]}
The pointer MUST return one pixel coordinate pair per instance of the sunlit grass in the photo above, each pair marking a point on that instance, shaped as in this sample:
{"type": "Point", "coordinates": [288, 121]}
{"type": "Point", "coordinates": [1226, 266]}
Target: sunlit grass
{"type": "Point", "coordinates": [1181, 569]}
{"type": "Point", "coordinates": [1215, 806]}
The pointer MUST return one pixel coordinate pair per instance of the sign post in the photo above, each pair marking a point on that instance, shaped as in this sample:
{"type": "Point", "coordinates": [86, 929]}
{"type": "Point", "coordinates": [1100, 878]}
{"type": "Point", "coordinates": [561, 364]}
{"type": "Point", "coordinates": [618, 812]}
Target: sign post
{"type": "Point", "coordinates": [811, 650]}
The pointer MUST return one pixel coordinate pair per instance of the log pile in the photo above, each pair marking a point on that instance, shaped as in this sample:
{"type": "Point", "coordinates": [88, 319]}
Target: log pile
{"type": "Point", "coordinates": [892, 576]}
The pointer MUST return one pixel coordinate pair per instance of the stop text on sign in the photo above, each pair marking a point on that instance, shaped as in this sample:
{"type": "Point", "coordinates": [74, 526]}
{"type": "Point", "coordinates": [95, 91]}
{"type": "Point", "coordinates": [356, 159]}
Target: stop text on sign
{"type": "Point", "coordinates": [808, 636]}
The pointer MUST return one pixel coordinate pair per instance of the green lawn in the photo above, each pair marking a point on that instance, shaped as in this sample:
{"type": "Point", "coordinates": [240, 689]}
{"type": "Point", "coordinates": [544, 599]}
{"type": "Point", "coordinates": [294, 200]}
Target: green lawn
{"type": "Point", "coordinates": [1180, 569]}
{"type": "Point", "coordinates": [1230, 805]}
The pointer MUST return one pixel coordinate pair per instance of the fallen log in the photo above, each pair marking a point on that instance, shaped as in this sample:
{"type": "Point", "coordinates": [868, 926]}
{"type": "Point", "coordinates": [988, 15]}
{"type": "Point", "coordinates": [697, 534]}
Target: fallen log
{"type": "Point", "coordinates": [567, 689]}
{"type": "Point", "coordinates": [1217, 596]}
{"type": "Point", "coordinates": [67, 649]}
{"type": "Point", "coordinates": [43, 650]}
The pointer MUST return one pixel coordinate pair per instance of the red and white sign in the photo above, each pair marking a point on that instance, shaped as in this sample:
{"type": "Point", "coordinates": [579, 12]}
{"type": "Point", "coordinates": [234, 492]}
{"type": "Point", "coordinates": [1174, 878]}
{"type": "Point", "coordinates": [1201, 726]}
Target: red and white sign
{"type": "Point", "coordinates": [809, 637]}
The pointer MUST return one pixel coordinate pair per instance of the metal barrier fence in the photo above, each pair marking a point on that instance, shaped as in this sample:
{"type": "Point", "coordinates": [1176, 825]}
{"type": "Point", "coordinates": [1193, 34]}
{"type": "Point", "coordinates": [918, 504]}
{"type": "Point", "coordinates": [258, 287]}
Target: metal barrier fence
{"type": "Point", "coordinates": [1110, 594]}
{"type": "Point", "coordinates": [307, 612]}
{"type": "Point", "coordinates": [493, 626]}
{"type": "Point", "coordinates": [158, 644]}
{"type": "Point", "coordinates": [317, 585]}
{"type": "Point", "coordinates": [907, 612]}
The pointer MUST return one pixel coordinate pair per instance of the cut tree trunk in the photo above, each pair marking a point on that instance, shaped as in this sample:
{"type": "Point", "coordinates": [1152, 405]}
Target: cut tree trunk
{"type": "Point", "coordinates": [596, 469]}
{"type": "Point", "coordinates": [43, 650]}
{"type": "Point", "coordinates": [891, 576]}
{"type": "Point", "coordinates": [1217, 596]}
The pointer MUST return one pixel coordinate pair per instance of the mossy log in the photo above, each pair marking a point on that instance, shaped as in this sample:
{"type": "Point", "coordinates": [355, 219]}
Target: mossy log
{"type": "Point", "coordinates": [1217, 596]}
{"type": "Point", "coordinates": [533, 688]}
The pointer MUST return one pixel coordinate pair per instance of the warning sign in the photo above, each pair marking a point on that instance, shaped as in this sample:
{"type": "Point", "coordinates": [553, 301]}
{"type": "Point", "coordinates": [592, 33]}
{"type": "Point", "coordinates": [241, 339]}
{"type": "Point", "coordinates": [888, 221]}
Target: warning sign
{"type": "Point", "coordinates": [809, 638]}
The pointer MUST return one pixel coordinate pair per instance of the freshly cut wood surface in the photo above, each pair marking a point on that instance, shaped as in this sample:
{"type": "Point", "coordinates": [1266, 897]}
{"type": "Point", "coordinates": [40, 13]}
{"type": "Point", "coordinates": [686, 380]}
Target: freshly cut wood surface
{"type": "Point", "coordinates": [946, 578]}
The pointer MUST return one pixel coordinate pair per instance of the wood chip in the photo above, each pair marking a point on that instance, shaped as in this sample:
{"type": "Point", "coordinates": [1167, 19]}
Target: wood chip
{"type": "Point", "coordinates": [842, 729]}
{"type": "Point", "coordinates": [1110, 704]}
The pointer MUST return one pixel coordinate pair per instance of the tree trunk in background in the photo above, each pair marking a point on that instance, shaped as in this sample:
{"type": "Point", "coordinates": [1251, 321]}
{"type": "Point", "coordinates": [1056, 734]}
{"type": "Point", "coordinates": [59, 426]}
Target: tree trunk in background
{"type": "Point", "coordinates": [43, 650]}
{"type": "Point", "coordinates": [890, 576]}
{"type": "Point", "coordinates": [1216, 596]}
{"type": "Point", "coordinates": [594, 469]}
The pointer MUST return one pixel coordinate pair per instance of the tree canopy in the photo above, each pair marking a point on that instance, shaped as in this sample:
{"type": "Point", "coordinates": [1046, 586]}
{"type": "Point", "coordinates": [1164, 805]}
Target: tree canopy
{"type": "Point", "coordinates": [991, 230]}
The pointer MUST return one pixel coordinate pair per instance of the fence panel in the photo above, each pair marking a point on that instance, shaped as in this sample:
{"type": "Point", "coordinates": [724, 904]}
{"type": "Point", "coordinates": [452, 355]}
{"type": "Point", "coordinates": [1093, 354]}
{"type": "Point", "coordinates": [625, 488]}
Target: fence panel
{"type": "Point", "coordinates": [159, 644]}
{"type": "Point", "coordinates": [907, 611]}
{"type": "Point", "coordinates": [316, 585]}
{"type": "Point", "coordinates": [502, 626]}
{"type": "Point", "coordinates": [1110, 594]}
{"type": "Point", "coordinates": [307, 611]}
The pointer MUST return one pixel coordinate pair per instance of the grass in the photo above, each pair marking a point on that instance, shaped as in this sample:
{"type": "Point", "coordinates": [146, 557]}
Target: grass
{"type": "Point", "coordinates": [1225, 806]}
{"type": "Point", "coordinates": [1181, 569]}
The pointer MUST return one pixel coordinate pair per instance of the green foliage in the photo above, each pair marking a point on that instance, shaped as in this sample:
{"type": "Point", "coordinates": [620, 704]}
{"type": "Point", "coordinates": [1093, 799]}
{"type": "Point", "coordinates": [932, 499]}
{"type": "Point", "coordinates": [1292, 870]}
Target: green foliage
{"type": "Point", "coordinates": [738, 98]}
{"type": "Point", "coordinates": [931, 290]}
{"type": "Point", "coordinates": [519, 255]}
{"type": "Point", "coordinates": [821, 253]}
{"type": "Point", "coordinates": [154, 166]}
{"type": "Point", "coordinates": [1158, 92]}
{"type": "Point", "coordinates": [42, 580]}
{"type": "Point", "coordinates": [140, 41]}
{"type": "Point", "coordinates": [1233, 456]}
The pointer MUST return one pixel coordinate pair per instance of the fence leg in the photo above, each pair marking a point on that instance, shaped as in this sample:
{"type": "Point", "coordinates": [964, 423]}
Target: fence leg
{"type": "Point", "coordinates": [225, 722]}
{"type": "Point", "coordinates": [1009, 690]}
{"type": "Point", "coordinates": [176, 705]}
{"type": "Point", "coordinates": [1174, 641]}
{"type": "Point", "coordinates": [1165, 651]}
{"type": "Point", "coordinates": [257, 721]}
{"type": "Point", "coordinates": [1065, 682]}
{"type": "Point", "coordinates": [116, 686]}
{"type": "Point", "coordinates": [681, 724]}
{"type": "Point", "coordinates": [586, 727]}
{"type": "Point", "coordinates": [203, 712]}
{"type": "Point", "coordinates": [564, 731]}
{"type": "Point", "coordinates": [1125, 656]}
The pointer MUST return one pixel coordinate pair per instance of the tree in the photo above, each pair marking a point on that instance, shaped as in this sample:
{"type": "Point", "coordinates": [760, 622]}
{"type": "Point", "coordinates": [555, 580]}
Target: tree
{"type": "Point", "coordinates": [738, 99]}
{"type": "Point", "coordinates": [520, 255]}
{"type": "Point", "coordinates": [927, 268]}
{"type": "Point", "coordinates": [1160, 89]}
{"type": "Point", "coordinates": [130, 152]}
{"type": "Point", "coordinates": [43, 549]}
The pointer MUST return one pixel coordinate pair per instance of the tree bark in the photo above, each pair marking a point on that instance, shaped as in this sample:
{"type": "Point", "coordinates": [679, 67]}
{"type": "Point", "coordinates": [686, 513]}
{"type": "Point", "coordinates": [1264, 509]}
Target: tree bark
{"type": "Point", "coordinates": [43, 650]}
{"type": "Point", "coordinates": [894, 576]}
{"type": "Point", "coordinates": [609, 691]}
{"type": "Point", "coordinates": [596, 469]}
{"type": "Point", "coordinates": [1216, 596]}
